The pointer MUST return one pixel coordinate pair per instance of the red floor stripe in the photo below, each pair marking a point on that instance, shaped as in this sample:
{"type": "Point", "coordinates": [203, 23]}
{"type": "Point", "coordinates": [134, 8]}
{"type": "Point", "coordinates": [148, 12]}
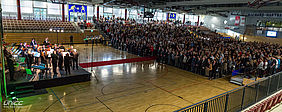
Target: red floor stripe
{"type": "Point", "coordinates": [103, 63]}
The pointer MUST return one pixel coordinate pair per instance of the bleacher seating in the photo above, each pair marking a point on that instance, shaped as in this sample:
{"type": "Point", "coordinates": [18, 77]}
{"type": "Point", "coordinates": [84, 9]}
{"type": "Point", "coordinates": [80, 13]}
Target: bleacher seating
{"type": "Point", "coordinates": [39, 37]}
{"type": "Point", "coordinates": [267, 104]}
{"type": "Point", "coordinates": [14, 25]}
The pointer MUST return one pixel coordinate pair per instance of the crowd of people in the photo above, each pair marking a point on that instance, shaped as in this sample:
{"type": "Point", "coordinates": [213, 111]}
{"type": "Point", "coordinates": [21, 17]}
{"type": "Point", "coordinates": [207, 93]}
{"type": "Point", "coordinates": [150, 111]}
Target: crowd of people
{"type": "Point", "coordinates": [189, 48]}
{"type": "Point", "coordinates": [44, 57]}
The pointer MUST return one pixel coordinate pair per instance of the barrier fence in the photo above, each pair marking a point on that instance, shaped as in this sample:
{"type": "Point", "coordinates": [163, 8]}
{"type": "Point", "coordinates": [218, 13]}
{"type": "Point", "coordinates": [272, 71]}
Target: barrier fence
{"type": "Point", "coordinates": [239, 98]}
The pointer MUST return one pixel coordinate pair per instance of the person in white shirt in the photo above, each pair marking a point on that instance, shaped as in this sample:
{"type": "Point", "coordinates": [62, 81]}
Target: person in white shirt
{"type": "Point", "coordinates": [260, 67]}
{"type": "Point", "coordinates": [265, 66]}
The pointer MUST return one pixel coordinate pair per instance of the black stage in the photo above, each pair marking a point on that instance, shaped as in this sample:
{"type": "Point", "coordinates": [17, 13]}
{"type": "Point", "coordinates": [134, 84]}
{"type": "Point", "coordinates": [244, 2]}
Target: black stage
{"type": "Point", "coordinates": [41, 81]}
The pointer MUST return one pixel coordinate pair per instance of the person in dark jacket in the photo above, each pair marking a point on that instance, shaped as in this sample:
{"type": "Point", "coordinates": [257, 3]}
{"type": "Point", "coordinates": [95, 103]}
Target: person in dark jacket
{"type": "Point", "coordinates": [54, 57]}
{"type": "Point", "coordinates": [44, 61]}
{"type": "Point", "coordinates": [10, 64]}
{"type": "Point", "coordinates": [75, 60]}
{"type": "Point", "coordinates": [33, 43]}
{"type": "Point", "coordinates": [67, 63]}
{"type": "Point", "coordinates": [46, 42]}
{"type": "Point", "coordinates": [71, 40]}
{"type": "Point", "coordinates": [61, 60]}
{"type": "Point", "coordinates": [29, 59]}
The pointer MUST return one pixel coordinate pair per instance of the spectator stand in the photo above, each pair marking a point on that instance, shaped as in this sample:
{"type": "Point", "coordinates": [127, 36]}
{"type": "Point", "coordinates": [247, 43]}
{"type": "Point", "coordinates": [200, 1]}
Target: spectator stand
{"type": "Point", "coordinates": [31, 25]}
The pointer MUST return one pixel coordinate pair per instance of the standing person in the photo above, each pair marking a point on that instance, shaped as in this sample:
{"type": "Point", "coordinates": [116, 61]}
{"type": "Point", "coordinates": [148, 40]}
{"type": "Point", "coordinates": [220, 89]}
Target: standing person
{"type": "Point", "coordinates": [67, 63]}
{"type": "Point", "coordinates": [75, 60]}
{"type": "Point", "coordinates": [209, 69]}
{"type": "Point", "coordinates": [203, 65]}
{"type": "Point", "coordinates": [275, 65]}
{"type": "Point", "coordinates": [193, 64]}
{"type": "Point", "coordinates": [46, 42]}
{"type": "Point", "coordinates": [20, 46]}
{"type": "Point", "coordinates": [184, 62]}
{"type": "Point", "coordinates": [176, 62]}
{"type": "Point", "coordinates": [197, 65]}
{"type": "Point", "coordinates": [71, 40]}
{"type": "Point", "coordinates": [33, 43]}
{"type": "Point", "coordinates": [61, 59]}
{"type": "Point", "coordinates": [10, 64]}
{"type": "Point", "coordinates": [260, 67]}
{"type": "Point", "coordinates": [43, 61]}
{"type": "Point", "coordinates": [29, 59]}
{"type": "Point", "coordinates": [159, 55]}
{"type": "Point", "coordinates": [279, 64]}
{"type": "Point", "coordinates": [54, 57]}
{"type": "Point", "coordinates": [225, 66]}
{"type": "Point", "coordinates": [214, 69]}
{"type": "Point", "coordinates": [269, 67]}
{"type": "Point", "coordinates": [265, 67]}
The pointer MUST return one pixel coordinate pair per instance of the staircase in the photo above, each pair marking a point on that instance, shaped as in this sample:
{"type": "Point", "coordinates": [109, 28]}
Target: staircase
{"type": "Point", "coordinates": [24, 90]}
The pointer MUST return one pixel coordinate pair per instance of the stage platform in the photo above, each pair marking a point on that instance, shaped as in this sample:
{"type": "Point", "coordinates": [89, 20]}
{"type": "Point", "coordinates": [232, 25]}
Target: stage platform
{"type": "Point", "coordinates": [241, 80]}
{"type": "Point", "coordinates": [27, 83]}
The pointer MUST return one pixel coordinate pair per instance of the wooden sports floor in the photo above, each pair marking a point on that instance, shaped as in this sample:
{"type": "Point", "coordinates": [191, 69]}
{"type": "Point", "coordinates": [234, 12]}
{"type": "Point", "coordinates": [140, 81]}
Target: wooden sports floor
{"type": "Point", "coordinates": [130, 87]}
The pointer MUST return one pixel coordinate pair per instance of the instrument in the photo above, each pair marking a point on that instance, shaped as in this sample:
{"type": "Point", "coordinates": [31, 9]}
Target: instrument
{"type": "Point", "coordinates": [39, 67]}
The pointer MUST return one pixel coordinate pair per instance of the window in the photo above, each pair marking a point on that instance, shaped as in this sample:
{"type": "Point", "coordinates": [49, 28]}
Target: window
{"type": "Point", "coordinates": [39, 4]}
{"type": "Point", "coordinates": [9, 5]}
{"type": "Point", "coordinates": [26, 6]}
{"type": "Point", "coordinates": [40, 13]}
{"type": "Point", "coordinates": [90, 11]}
{"type": "Point", "coordinates": [123, 13]}
{"type": "Point", "coordinates": [101, 10]}
{"type": "Point", "coordinates": [132, 13]}
{"type": "Point", "coordinates": [117, 12]}
{"type": "Point", "coordinates": [108, 12]}
{"type": "Point", "coordinates": [54, 9]}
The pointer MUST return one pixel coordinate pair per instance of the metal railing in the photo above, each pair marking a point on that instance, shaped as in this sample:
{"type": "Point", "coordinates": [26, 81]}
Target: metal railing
{"type": "Point", "coordinates": [239, 98]}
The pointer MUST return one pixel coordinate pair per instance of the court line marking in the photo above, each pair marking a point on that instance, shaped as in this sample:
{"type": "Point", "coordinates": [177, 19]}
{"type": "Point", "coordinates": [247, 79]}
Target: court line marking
{"type": "Point", "coordinates": [218, 87]}
{"type": "Point", "coordinates": [188, 85]}
{"type": "Point", "coordinates": [75, 88]}
{"type": "Point", "coordinates": [150, 89]}
{"type": "Point", "coordinates": [123, 95]}
{"type": "Point", "coordinates": [146, 90]}
{"type": "Point", "coordinates": [161, 104]}
{"type": "Point", "coordinates": [104, 104]}
{"type": "Point", "coordinates": [81, 88]}
{"type": "Point", "coordinates": [102, 90]}
{"type": "Point", "coordinates": [169, 92]}
{"type": "Point", "coordinates": [58, 99]}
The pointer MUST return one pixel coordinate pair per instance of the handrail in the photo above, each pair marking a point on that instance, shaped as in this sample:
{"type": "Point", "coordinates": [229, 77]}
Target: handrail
{"type": "Point", "coordinates": [217, 96]}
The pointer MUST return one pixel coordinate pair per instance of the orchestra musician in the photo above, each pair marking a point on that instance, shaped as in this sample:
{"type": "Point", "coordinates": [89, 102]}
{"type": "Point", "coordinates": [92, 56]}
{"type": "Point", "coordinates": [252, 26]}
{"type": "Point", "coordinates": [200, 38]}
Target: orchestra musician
{"type": "Point", "coordinates": [54, 57]}
{"type": "Point", "coordinates": [43, 59]}
{"type": "Point", "coordinates": [71, 57]}
{"type": "Point", "coordinates": [67, 63]}
{"type": "Point", "coordinates": [74, 55]}
{"type": "Point", "coordinates": [33, 43]}
{"type": "Point", "coordinates": [46, 42]}
{"type": "Point", "coordinates": [55, 47]}
{"type": "Point", "coordinates": [62, 47]}
{"type": "Point", "coordinates": [48, 56]}
{"type": "Point", "coordinates": [11, 67]}
{"type": "Point", "coordinates": [20, 46]}
{"type": "Point", "coordinates": [36, 49]}
{"type": "Point", "coordinates": [61, 59]}
{"type": "Point", "coordinates": [24, 46]}
{"type": "Point", "coordinates": [40, 55]}
{"type": "Point", "coordinates": [29, 59]}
